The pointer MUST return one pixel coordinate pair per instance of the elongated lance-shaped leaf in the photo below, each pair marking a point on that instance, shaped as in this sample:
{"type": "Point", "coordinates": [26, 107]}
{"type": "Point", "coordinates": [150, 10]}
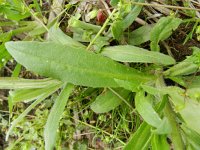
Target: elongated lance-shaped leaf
{"type": "Point", "coordinates": [54, 117]}
{"type": "Point", "coordinates": [39, 100]}
{"type": "Point", "coordinates": [140, 140]}
{"type": "Point", "coordinates": [27, 95]}
{"type": "Point", "coordinates": [19, 83]}
{"type": "Point", "coordinates": [72, 64]}
{"type": "Point", "coordinates": [130, 53]}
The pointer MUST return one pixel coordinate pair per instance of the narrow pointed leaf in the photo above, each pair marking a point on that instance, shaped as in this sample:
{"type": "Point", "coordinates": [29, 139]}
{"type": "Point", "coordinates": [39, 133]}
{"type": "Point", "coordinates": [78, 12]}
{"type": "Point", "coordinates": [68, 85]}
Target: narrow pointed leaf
{"type": "Point", "coordinates": [27, 95]}
{"type": "Point", "coordinates": [135, 54]}
{"type": "Point", "coordinates": [72, 64]}
{"type": "Point", "coordinates": [19, 83]}
{"type": "Point", "coordinates": [54, 117]}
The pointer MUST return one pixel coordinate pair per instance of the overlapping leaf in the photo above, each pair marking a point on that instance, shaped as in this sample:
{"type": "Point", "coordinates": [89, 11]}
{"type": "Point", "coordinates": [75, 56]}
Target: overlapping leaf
{"type": "Point", "coordinates": [72, 64]}
{"type": "Point", "coordinates": [54, 117]}
{"type": "Point", "coordinates": [108, 100]}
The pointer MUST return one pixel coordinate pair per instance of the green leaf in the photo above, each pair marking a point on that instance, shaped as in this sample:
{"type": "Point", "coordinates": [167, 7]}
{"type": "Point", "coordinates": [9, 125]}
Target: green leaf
{"type": "Point", "coordinates": [140, 140]}
{"type": "Point", "coordinates": [182, 68]}
{"type": "Point", "coordinates": [19, 83]}
{"type": "Point", "coordinates": [138, 36]}
{"type": "Point", "coordinates": [190, 65]}
{"type": "Point", "coordinates": [72, 64]}
{"type": "Point", "coordinates": [189, 109]}
{"type": "Point", "coordinates": [135, 54]}
{"type": "Point", "coordinates": [107, 100]}
{"type": "Point", "coordinates": [75, 24]}
{"type": "Point", "coordinates": [162, 90]}
{"type": "Point", "coordinates": [190, 114]}
{"type": "Point", "coordinates": [192, 137]}
{"type": "Point", "coordinates": [39, 100]}
{"type": "Point", "coordinates": [193, 82]}
{"type": "Point", "coordinates": [131, 86]}
{"type": "Point", "coordinates": [162, 30]}
{"type": "Point", "coordinates": [58, 36]}
{"type": "Point", "coordinates": [146, 110]}
{"type": "Point", "coordinates": [4, 55]}
{"type": "Point", "coordinates": [194, 93]}
{"type": "Point", "coordinates": [12, 13]}
{"type": "Point", "coordinates": [132, 15]}
{"type": "Point", "coordinates": [159, 142]}
{"type": "Point", "coordinates": [52, 123]}
{"type": "Point", "coordinates": [114, 2]}
{"type": "Point", "coordinates": [27, 95]}
{"type": "Point", "coordinates": [117, 30]}
{"type": "Point", "coordinates": [163, 128]}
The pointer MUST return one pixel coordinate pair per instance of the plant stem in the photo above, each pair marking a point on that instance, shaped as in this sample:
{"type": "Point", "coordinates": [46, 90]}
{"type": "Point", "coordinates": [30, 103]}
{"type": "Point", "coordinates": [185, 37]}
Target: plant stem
{"type": "Point", "coordinates": [101, 30]}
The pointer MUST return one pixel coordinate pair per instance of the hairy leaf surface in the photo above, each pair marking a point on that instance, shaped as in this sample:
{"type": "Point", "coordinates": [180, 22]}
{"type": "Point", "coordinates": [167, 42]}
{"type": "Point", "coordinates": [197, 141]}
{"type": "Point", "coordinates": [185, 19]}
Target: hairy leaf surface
{"type": "Point", "coordinates": [72, 64]}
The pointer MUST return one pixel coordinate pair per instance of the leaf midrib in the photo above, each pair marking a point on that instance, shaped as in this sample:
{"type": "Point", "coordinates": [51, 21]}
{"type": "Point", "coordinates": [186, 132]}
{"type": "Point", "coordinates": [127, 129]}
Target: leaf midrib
{"type": "Point", "coordinates": [102, 74]}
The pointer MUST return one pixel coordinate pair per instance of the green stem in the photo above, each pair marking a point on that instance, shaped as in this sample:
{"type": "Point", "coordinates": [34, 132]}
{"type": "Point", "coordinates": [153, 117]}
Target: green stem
{"type": "Point", "coordinates": [102, 29]}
